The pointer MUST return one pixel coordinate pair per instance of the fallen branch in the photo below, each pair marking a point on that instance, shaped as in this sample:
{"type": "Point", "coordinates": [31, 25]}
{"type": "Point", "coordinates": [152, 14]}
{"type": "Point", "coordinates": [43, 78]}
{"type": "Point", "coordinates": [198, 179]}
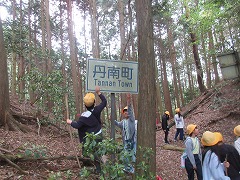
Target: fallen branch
{"type": "Point", "coordinates": [174, 148]}
{"type": "Point", "coordinates": [213, 121]}
{"type": "Point", "coordinates": [13, 164]}
{"type": "Point", "coordinates": [196, 104]}
{"type": "Point", "coordinates": [85, 161]}
{"type": "Point", "coordinates": [5, 150]}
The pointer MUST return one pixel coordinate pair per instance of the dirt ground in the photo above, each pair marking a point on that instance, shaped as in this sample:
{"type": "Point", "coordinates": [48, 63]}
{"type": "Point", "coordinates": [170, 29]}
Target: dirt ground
{"type": "Point", "coordinates": [218, 112]}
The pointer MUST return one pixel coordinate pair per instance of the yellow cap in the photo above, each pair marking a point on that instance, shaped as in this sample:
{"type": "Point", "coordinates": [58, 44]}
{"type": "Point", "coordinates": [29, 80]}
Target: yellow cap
{"type": "Point", "coordinates": [177, 110]}
{"type": "Point", "coordinates": [219, 136]}
{"type": "Point", "coordinates": [167, 112]}
{"type": "Point", "coordinates": [237, 130]}
{"type": "Point", "coordinates": [89, 99]}
{"type": "Point", "coordinates": [209, 139]}
{"type": "Point", "coordinates": [126, 108]}
{"type": "Point", "coordinates": [190, 128]}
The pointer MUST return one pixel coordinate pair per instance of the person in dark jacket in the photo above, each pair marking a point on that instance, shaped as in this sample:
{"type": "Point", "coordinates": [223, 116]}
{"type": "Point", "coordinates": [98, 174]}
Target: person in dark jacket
{"type": "Point", "coordinates": [230, 154]}
{"type": "Point", "coordinates": [165, 127]}
{"type": "Point", "coordinates": [90, 122]}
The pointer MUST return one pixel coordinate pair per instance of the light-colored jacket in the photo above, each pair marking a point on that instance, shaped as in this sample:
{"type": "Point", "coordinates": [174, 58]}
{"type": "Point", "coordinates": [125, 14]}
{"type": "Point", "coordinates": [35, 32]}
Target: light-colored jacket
{"type": "Point", "coordinates": [237, 145]}
{"type": "Point", "coordinates": [127, 125]}
{"type": "Point", "coordinates": [212, 168]}
{"type": "Point", "coordinates": [189, 149]}
{"type": "Point", "coordinates": [179, 122]}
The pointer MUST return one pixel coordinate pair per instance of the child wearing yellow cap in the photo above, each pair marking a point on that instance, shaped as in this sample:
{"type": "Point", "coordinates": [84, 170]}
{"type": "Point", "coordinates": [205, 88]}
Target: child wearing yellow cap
{"type": "Point", "coordinates": [90, 122]}
{"type": "Point", "coordinates": [237, 142]}
{"type": "Point", "coordinates": [165, 127]}
{"type": "Point", "coordinates": [193, 162]}
{"type": "Point", "coordinates": [179, 123]}
{"type": "Point", "coordinates": [129, 134]}
{"type": "Point", "coordinates": [229, 153]}
{"type": "Point", "coordinates": [212, 167]}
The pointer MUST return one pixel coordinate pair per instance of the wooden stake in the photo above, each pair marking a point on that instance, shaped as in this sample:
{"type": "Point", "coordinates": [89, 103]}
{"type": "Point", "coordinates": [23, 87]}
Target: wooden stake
{"type": "Point", "coordinates": [70, 130]}
{"type": "Point", "coordinates": [226, 167]}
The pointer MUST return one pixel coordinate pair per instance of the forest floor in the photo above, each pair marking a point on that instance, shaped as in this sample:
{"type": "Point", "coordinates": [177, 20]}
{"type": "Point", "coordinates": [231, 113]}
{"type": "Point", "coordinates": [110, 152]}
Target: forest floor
{"type": "Point", "coordinates": [216, 110]}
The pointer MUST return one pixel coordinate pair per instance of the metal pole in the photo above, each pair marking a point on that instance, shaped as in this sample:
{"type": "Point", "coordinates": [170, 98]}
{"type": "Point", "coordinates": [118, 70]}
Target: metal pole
{"type": "Point", "coordinates": [113, 118]}
{"type": "Point", "coordinates": [113, 115]}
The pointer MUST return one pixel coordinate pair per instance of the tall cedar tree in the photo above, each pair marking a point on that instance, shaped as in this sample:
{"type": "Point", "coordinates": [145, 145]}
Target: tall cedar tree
{"type": "Point", "coordinates": [147, 84]}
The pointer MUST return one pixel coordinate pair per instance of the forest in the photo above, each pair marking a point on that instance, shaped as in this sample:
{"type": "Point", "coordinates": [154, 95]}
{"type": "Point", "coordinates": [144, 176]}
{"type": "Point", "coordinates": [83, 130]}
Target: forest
{"type": "Point", "coordinates": [44, 48]}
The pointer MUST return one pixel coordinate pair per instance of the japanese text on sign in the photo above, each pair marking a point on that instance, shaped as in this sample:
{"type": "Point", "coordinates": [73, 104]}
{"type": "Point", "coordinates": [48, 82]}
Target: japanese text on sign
{"type": "Point", "coordinates": [112, 76]}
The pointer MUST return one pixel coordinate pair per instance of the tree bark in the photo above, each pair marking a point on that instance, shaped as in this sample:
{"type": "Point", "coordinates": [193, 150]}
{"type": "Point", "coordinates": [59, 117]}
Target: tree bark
{"type": "Point", "coordinates": [21, 67]}
{"type": "Point", "coordinates": [147, 84]}
{"type": "Point", "coordinates": [213, 56]}
{"type": "Point", "coordinates": [50, 103]}
{"type": "Point", "coordinates": [14, 55]}
{"type": "Point", "coordinates": [206, 60]}
{"type": "Point", "coordinates": [172, 54]}
{"type": "Point", "coordinates": [193, 37]}
{"type": "Point", "coordinates": [166, 92]}
{"type": "Point", "coordinates": [73, 56]}
{"type": "Point", "coordinates": [201, 85]}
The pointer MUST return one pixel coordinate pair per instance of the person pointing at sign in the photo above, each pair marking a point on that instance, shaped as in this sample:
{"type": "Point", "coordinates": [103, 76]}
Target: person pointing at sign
{"type": "Point", "coordinates": [89, 121]}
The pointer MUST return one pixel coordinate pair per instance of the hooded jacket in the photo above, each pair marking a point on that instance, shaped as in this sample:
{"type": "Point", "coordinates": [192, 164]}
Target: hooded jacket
{"type": "Point", "coordinates": [89, 121]}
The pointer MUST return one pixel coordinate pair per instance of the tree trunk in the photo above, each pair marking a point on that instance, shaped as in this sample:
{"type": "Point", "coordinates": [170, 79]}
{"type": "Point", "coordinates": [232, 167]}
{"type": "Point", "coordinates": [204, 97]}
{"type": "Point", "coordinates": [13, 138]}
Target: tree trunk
{"type": "Point", "coordinates": [72, 55]}
{"type": "Point", "coordinates": [43, 36]}
{"type": "Point", "coordinates": [14, 56]}
{"type": "Point", "coordinates": [193, 37]}
{"type": "Point", "coordinates": [64, 85]}
{"type": "Point", "coordinates": [159, 105]}
{"type": "Point", "coordinates": [29, 67]}
{"type": "Point", "coordinates": [206, 60]}
{"type": "Point", "coordinates": [147, 85]}
{"type": "Point", "coordinates": [166, 92]}
{"type": "Point", "coordinates": [180, 88]}
{"type": "Point", "coordinates": [123, 40]}
{"type": "Point", "coordinates": [50, 103]}
{"type": "Point", "coordinates": [201, 85]}
{"type": "Point", "coordinates": [213, 56]}
{"type": "Point", "coordinates": [172, 53]}
{"type": "Point", "coordinates": [21, 67]}
{"type": "Point", "coordinates": [4, 86]}
{"type": "Point", "coordinates": [94, 29]}
{"type": "Point", "coordinates": [6, 118]}
{"type": "Point", "coordinates": [188, 68]}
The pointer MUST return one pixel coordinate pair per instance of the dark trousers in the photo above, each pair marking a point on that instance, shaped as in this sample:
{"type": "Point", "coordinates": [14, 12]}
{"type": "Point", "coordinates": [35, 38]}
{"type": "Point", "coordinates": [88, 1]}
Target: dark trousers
{"type": "Point", "coordinates": [190, 170]}
{"type": "Point", "coordinates": [166, 136]}
{"type": "Point", "coordinates": [179, 131]}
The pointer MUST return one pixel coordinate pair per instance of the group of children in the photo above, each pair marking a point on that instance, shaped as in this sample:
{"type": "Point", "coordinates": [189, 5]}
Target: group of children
{"type": "Point", "coordinates": [217, 160]}
{"type": "Point", "coordinates": [179, 123]}
{"type": "Point", "coordinates": [90, 122]}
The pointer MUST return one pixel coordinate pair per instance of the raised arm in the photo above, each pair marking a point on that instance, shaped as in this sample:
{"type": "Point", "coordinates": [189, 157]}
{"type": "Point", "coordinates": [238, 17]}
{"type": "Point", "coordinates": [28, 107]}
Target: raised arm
{"type": "Point", "coordinates": [130, 109]}
{"type": "Point", "coordinates": [98, 109]}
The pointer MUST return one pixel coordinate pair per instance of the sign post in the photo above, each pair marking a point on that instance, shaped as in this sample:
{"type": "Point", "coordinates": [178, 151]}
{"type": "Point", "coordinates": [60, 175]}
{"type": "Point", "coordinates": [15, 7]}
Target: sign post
{"type": "Point", "coordinates": [114, 77]}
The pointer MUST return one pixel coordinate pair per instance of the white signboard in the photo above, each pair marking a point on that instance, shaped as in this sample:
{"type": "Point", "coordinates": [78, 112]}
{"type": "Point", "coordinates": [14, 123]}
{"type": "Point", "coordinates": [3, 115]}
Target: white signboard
{"type": "Point", "coordinates": [112, 76]}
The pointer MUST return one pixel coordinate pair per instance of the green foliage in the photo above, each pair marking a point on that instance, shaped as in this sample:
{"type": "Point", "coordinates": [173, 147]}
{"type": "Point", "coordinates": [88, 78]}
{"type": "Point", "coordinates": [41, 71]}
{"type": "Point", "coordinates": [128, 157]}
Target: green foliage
{"type": "Point", "coordinates": [189, 95]}
{"type": "Point", "coordinates": [144, 166]}
{"type": "Point", "coordinates": [84, 173]}
{"type": "Point", "coordinates": [35, 151]}
{"type": "Point", "coordinates": [114, 170]}
{"type": "Point", "coordinates": [50, 84]}
{"type": "Point", "coordinates": [60, 175]}
{"type": "Point", "coordinates": [55, 176]}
